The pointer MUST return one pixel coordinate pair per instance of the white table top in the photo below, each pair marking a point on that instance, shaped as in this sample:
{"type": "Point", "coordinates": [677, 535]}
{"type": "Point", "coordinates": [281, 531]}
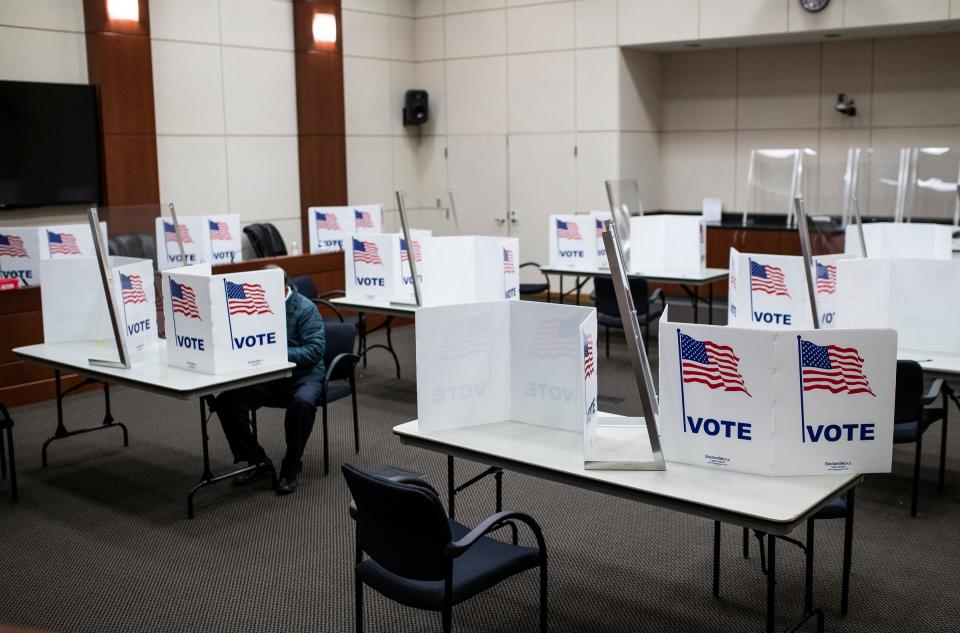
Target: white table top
{"type": "Point", "coordinates": [707, 275]}
{"type": "Point", "coordinates": [934, 363]}
{"type": "Point", "coordinates": [150, 374]}
{"type": "Point", "coordinates": [772, 504]}
{"type": "Point", "coordinates": [376, 307]}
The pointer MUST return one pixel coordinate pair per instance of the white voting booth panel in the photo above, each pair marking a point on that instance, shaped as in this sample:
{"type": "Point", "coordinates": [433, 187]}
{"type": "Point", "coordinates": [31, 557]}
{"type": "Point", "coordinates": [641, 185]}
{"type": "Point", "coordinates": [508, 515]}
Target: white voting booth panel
{"type": "Point", "coordinates": [458, 269]}
{"type": "Point", "coordinates": [920, 298]}
{"type": "Point", "coordinates": [402, 279]}
{"type": "Point", "coordinates": [225, 246]}
{"type": "Point", "coordinates": [195, 235]}
{"type": "Point", "coordinates": [75, 309]}
{"type": "Point", "coordinates": [506, 360]}
{"type": "Point", "coordinates": [900, 239]}
{"type": "Point", "coordinates": [331, 227]}
{"type": "Point", "coordinates": [575, 240]}
{"type": "Point", "coordinates": [667, 243]}
{"type": "Point", "coordinates": [599, 220]}
{"type": "Point", "coordinates": [799, 402]}
{"type": "Point", "coordinates": [23, 248]}
{"type": "Point", "coordinates": [223, 323]}
{"type": "Point", "coordinates": [770, 291]}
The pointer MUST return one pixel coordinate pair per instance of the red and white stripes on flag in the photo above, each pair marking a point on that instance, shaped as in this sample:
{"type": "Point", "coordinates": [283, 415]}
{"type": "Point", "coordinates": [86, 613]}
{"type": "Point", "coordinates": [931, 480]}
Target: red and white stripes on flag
{"type": "Point", "coordinates": [833, 368]}
{"type": "Point", "coordinates": [711, 364]}
{"type": "Point", "coordinates": [768, 279]}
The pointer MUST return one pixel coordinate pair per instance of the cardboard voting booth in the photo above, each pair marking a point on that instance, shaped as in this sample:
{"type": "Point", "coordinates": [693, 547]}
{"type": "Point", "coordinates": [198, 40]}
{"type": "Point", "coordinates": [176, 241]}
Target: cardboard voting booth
{"type": "Point", "coordinates": [225, 245]}
{"type": "Point", "coordinates": [331, 227]}
{"type": "Point", "coordinates": [506, 360]}
{"type": "Point", "coordinates": [575, 241]}
{"type": "Point", "coordinates": [75, 309]}
{"type": "Point", "coordinates": [770, 291]}
{"type": "Point", "coordinates": [901, 239]}
{"type": "Point", "coordinates": [799, 402]}
{"type": "Point", "coordinates": [217, 324]}
{"type": "Point", "coordinates": [667, 243]}
{"type": "Point", "coordinates": [600, 218]}
{"type": "Point", "coordinates": [206, 238]}
{"type": "Point", "coordinates": [920, 298]}
{"type": "Point", "coordinates": [22, 248]}
{"type": "Point", "coordinates": [460, 269]}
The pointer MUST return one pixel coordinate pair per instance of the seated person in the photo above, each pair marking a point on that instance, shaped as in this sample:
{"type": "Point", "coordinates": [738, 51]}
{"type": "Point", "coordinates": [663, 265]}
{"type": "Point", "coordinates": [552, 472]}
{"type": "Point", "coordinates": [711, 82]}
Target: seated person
{"type": "Point", "coordinates": [306, 341]}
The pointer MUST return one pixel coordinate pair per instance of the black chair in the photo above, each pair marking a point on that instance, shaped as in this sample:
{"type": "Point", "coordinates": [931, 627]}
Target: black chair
{"type": "Point", "coordinates": [265, 240]}
{"type": "Point", "coordinates": [340, 382]}
{"type": "Point", "coordinates": [6, 451]}
{"type": "Point", "coordinates": [133, 245]}
{"type": "Point", "coordinates": [418, 557]}
{"type": "Point", "coordinates": [608, 310]}
{"type": "Point", "coordinates": [535, 288]}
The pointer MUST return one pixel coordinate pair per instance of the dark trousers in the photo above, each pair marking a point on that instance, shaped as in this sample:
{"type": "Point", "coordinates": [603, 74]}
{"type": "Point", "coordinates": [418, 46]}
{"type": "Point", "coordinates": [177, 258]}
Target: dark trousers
{"type": "Point", "coordinates": [299, 394]}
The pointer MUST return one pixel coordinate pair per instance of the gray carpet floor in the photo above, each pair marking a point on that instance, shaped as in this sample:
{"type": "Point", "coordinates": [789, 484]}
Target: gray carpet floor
{"type": "Point", "coordinates": [100, 540]}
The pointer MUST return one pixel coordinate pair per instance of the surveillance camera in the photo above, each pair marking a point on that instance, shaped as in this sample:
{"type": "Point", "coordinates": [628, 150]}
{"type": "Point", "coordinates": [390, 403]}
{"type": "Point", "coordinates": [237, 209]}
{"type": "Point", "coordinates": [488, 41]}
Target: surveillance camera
{"type": "Point", "coordinates": [845, 105]}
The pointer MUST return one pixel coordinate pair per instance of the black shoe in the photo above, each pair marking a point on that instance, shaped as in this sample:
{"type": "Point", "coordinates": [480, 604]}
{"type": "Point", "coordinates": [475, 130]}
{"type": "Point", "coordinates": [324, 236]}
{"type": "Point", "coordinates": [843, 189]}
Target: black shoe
{"type": "Point", "coordinates": [287, 485]}
{"type": "Point", "coordinates": [253, 476]}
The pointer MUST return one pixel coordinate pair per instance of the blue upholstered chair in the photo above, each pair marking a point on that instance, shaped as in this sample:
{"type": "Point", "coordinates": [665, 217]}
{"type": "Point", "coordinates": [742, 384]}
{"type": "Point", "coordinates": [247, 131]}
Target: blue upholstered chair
{"type": "Point", "coordinates": [409, 551]}
{"type": "Point", "coordinates": [608, 310]}
{"type": "Point", "coordinates": [6, 451]}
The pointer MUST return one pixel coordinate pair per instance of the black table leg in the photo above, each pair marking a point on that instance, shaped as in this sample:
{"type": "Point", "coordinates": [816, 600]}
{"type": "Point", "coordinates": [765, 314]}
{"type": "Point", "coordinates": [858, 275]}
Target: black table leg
{"type": "Point", "coordinates": [560, 300]}
{"type": "Point", "coordinates": [61, 431]}
{"type": "Point", "coordinates": [808, 560]}
{"type": "Point", "coordinates": [710, 303]}
{"type": "Point", "coordinates": [578, 285]}
{"type": "Point", "coordinates": [716, 558]}
{"type": "Point", "coordinates": [771, 583]}
{"type": "Point", "coordinates": [696, 304]}
{"type": "Point", "coordinates": [207, 478]}
{"type": "Point", "coordinates": [389, 346]}
{"type": "Point", "coordinates": [847, 551]}
{"type": "Point", "coordinates": [451, 488]}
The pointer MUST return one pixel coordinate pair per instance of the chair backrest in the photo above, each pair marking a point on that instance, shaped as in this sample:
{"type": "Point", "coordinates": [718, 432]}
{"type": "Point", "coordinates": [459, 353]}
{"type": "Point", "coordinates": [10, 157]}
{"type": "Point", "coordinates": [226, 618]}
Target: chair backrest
{"type": "Point", "coordinates": [264, 241]}
{"type": "Point", "coordinates": [305, 286]}
{"type": "Point", "coordinates": [607, 295]}
{"type": "Point", "coordinates": [908, 404]}
{"type": "Point", "coordinates": [401, 526]}
{"type": "Point", "coordinates": [277, 246]}
{"type": "Point", "coordinates": [339, 341]}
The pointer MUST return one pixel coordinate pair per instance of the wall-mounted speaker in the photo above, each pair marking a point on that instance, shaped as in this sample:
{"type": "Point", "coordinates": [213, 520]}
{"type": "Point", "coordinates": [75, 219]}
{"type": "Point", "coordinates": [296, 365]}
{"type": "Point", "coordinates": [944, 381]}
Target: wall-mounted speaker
{"type": "Point", "coordinates": [416, 107]}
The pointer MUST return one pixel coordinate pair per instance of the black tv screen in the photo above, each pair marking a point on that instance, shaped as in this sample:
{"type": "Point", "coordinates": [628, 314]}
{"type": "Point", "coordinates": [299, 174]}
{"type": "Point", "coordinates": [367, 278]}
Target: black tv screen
{"type": "Point", "coordinates": [49, 144]}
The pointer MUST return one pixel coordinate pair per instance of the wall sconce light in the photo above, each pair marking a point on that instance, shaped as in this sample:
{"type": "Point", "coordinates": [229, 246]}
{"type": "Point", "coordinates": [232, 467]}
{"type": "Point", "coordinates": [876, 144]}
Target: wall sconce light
{"type": "Point", "coordinates": [124, 10]}
{"type": "Point", "coordinates": [324, 28]}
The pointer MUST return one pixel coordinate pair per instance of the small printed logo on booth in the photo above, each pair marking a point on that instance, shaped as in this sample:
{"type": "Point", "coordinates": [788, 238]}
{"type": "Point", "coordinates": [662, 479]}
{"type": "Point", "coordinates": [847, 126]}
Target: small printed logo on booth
{"type": "Point", "coordinates": [366, 252]}
{"type": "Point", "coordinates": [131, 287]}
{"type": "Point", "coordinates": [327, 222]}
{"type": "Point", "coordinates": [363, 218]}
{"type": "Point", "coordinates": [568, 230]}
{"type": "Point", "coordinates": [62, 243]}
{"type": "Point", "coordinates": [12, 246]}
{"type": "Point", "coordinates": [826, 279]}
{"type": "Point", "coordinates": [170, 233]}
{"type": "Point", "coordinates": [219, 231]}
{"type": "Point", "coordinates": [588, 366]}
{"type": "Point", "coordinates": [768, 279]}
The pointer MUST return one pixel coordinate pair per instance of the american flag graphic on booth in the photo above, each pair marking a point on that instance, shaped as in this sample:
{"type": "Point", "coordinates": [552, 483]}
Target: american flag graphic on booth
{"type": "Point", "coordinates": [600, 228]}
{"type": "Point", "coordinates": [219, 231]}
{"type": "Point", "coordinates": [327, 222]}
{"type": "Point", "coordinates": [711, 364]}
{"type": "Point", "coordinates": [768, 279]}
{"type": "Point", "coordinates": [170, 233]}
{"type": "Point", "coordinates": [12, 246]}
{"type": "Point", "coordinates": [588, 366]}
{"type": "Point", "coordinates": [366, 252]}
{"type": "Point", "coordinates": [551, 341]}
{"type": "Point", "coordinates": [509, 266]}
{"type": "Point", "coordinates": [62, 243]}
{"type": "Point", "coordinates": [826, 278]}
{"type": "Point", "coordinates": [363, 218]}
{"type": "Point", "coordinates": [833, 368]}
{"type": "Point", "coordinates": [403, 250]}
{"type": "Point", "coordinates": [246, 299]}
{"type": "Point", "coordinates": [183, 300]}
{"type": "Point", "coordinates": [131, 288]}
{"type": "Point", "coordinates": [568, 230]}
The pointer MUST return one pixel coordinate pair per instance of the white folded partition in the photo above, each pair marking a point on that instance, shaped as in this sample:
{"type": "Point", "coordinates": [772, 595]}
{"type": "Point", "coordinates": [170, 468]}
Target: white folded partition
{"type": "Point", "coordinates": [667, 243]}
{"type": "Point", "coordinates": [506, 360]}
{"type": "Point", "coordinates": [74, 308]}
{"type": "Point", "coordinates": [799, 402]}
{"type": "Point", "coordinates": [899, 239]}
{"type": "Point", "coordinates": [575, 241]}
{"type": "Point", "coordinates": [458, 269]}
{"type": "Point", "coordinates": [211, 239]}
{"type": "Point", "coordinates": [217, 324]}
{"type": "Point", "coordinates": [331, 227]}
{"type": "Point", "coordinates": [23, 248]}
{"type": "Point", "coordinates": [918, 297]}
{"type": "Point", "coordinates": [770, 291]}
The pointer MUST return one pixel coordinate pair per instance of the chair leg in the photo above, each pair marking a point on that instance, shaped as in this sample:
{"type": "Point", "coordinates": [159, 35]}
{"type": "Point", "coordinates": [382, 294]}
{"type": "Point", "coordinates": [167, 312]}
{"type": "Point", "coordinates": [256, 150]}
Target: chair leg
{"type": "Point", "coordinates": [716, 558]}
{"type": "Point", "coordinates": [808, 580]}
{"type": "Point", "coordinates": [646, 338]}
{"type": "Point", "coordinates": [746, 543]}
{"type": "Point", "coordinates": [941, 478]}
{"type": "Point", "coordinates": [847, 551]}
{"type": "Point", "coordinates": [608, 341]}
{"type": "Point", "coordinates": [358, 613]}
{"type": "Point", "coordinates": [447, 619]}
{"type": "Point", "coordinates": [543, 595]}
{"type": "Point", "coordinates": [13, 466]}
{"type": "Point", "coordinates": [3, 458]}
{"type": "Point", "coordinates": [914, 497]}
{"type": "Point", "coordinates": [326, 452]}
{"type": "Point", "coordinates": [356, 419]}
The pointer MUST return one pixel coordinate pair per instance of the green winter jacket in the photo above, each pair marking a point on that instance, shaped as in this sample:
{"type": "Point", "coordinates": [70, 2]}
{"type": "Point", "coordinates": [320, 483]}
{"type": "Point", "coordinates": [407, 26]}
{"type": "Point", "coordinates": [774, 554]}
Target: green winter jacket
{"type": "Point", "coordinates": [306, 338]}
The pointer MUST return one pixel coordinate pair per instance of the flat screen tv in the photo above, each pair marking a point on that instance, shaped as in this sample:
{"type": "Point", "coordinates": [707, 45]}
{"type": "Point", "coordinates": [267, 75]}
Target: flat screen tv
{"type": "Point", "coordinates": [49, 144]}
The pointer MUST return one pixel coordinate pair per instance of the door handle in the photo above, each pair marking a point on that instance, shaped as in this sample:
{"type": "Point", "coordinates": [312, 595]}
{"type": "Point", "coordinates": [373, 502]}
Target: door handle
{"type": "Point", "coordinates": [499, 221]}
{"type": "Point", "coordinates": [513, 217]}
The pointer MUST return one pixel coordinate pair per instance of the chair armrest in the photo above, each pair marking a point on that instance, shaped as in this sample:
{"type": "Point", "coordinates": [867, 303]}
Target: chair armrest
{"type": "Point", "coordinates": [546, 277]}
{"type": "Point", "coordinates": [332, 293]}
{"type": "Point", "coordinates": [657, 295]}
{"type": "Point", "coordinates": [495, 522]}
{"type": "Point", "coordinates": [353, 359]}
{"type": "Point", "coordinates": [328, 304]}
{"type": "Point", "coordinates": [5, 419]}
{"type": "Point", "coordinates": [932, 392]}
